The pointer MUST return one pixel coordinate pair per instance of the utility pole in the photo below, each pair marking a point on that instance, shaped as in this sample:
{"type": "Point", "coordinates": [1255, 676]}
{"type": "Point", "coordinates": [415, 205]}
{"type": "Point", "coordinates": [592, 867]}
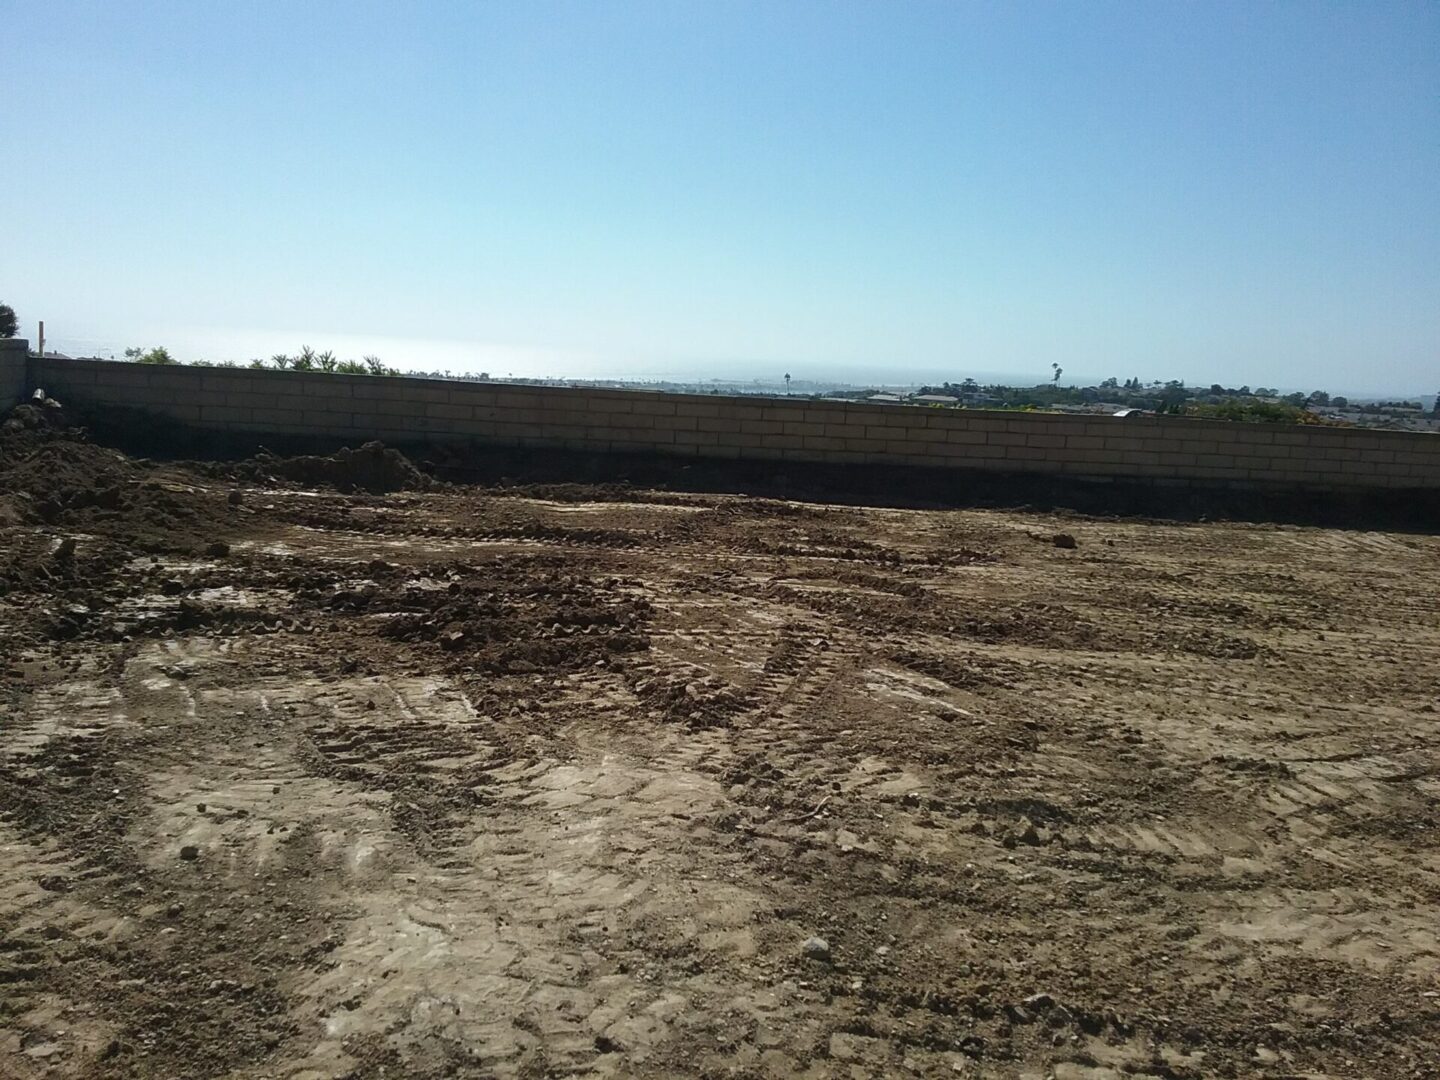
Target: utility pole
{"type": "Point", "coordinates": [42, 337]}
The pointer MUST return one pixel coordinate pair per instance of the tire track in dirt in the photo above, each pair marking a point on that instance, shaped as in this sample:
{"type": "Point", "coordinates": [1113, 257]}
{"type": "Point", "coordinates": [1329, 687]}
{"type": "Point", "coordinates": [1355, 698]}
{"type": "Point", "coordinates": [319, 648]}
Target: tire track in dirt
{"type": "Point", "coordinates": [577, 810]}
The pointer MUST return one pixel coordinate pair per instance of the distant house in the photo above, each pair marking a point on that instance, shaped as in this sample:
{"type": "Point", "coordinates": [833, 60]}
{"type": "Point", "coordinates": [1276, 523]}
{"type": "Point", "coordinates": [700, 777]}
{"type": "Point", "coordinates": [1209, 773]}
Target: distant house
{"type": "Point", "coordinates": [936, 399]}
{"type": "Point", "coordinates": [978, 397]}
{"type": "Point", "coordinates": [884, 399]}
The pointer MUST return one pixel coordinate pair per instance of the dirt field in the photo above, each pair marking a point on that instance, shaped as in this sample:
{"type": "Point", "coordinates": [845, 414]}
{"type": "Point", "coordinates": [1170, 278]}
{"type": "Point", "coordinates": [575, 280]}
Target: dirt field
{"type": "Point", "coordinates": [565, 781]}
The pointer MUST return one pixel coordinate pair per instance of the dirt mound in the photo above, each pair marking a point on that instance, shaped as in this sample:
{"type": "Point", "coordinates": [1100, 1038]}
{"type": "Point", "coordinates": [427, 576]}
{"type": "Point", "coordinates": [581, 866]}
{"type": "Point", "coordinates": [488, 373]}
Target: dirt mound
{"type": "Point", "coordinates": [52, 474]}
{"type": "Point", "coordinates": [373, 467]}
{"type": "Point", "coordinates": [43, 459]}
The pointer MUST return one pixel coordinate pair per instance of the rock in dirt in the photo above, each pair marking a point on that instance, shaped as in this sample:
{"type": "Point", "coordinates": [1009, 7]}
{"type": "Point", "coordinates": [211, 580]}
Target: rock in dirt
{"type": "Point", "coordinates": [816, 948]}
{"type": "Point", "coordinates": [1064, 540]}
{"type": "Point", "coordinates": [217, 549]}
{"type": "Point", "coordinates": [189, 853]}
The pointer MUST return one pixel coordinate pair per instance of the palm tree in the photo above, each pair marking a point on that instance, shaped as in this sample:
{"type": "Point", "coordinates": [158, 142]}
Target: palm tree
{"type": "Point", "coordinates": [787, 382]}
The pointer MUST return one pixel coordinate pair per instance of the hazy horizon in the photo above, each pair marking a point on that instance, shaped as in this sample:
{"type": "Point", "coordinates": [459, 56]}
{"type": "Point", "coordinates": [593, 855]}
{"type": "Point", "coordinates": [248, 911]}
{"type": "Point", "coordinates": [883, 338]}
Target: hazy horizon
{"type": "Point", "coordinates": [192, 344]}
{"type": "Point", "coordinates": [1229, 193]}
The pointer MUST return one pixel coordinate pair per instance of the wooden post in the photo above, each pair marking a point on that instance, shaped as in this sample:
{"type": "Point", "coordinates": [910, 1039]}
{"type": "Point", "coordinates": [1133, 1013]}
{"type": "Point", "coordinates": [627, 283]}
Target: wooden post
{"type": "Point", "coordinates": [42, 337]}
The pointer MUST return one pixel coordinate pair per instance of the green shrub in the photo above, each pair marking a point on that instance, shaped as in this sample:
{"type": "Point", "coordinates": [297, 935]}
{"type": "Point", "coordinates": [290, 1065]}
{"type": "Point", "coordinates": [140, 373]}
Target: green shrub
{"type": "Point", "coordinates": [1255, 412]}
{"type": "Point", "coordinates": [157, 355]}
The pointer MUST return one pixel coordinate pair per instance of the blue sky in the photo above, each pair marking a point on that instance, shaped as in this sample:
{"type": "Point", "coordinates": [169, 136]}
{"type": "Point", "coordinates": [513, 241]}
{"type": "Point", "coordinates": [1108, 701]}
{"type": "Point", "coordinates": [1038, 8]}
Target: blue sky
{"type": "Point", "coordinates": [1237, 192]}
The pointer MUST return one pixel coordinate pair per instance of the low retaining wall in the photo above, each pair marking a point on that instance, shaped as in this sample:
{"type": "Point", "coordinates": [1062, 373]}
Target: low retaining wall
{"type": "Point", "coordinates": [13, 354]}
{"type": "Point", "coordinates": [1166, 450]}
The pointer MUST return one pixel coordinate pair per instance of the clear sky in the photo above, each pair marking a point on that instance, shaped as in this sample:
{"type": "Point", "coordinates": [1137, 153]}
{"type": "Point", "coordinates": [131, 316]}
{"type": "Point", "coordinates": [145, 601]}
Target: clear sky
{"type": "Point", "coordinates": [1241, 192]}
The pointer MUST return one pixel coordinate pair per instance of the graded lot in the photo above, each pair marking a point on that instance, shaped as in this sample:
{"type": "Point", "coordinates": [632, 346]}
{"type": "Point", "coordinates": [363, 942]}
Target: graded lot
{"type": "Point", "coordinates": [516, 781]}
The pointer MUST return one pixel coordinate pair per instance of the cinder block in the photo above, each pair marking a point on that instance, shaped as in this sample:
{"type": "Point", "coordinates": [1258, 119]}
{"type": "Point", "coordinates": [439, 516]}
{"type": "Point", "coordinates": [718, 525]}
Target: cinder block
{"type": "Point", "coordinates": [1030, 454]}
{"type": "Point", "coordinates": [51, 373]}
{"type": "Point", "coordinates": [802, 427]}
{"type": "Point", "coordinates": [1412, 457]}
{"type": "Point", "coordinates": [220, 414]}
{"type": "Point", "coordinates": [953, 451]}
{"type": "Point", "coordinates": [1091, 457]}
{"type": "Point", "coordinates": [1005, 438]}
{"type": "Point", "coordinates": [783, 412]}
{"type": "Point", "coordinates": [450, 412]}
{"type": "Point", "coordinates": [1216, 461]}
{"type": "Point", "coordinates": [823, 415]}
{"type": "Point", "coordinates": [965, 436]}
{"type": "Point", "coordinates": [989, 423]}
{"type": "Point", "coordinates": [327, 420]}
{"type": "Point", "coordinates": [279, 419]}
{"type": "Point", "coordinates": [1178, 460]}
{"type": "Point", "coordinates": [1386, 456]}
{"type": "Point", "coordinates": [376, 386]}
{"type": "Point", "coordinates": [606, 405]}
{"type": "Point", "coordinates": [926, 435]}
{"type": "Point", "coordinates": [1049, 442]}
{"type": "Point", "coordinates": [1139, 458]}
{"type": "Point", "coordinates": [702, 409]}
{"type": "Point", "coordinates": [717, 423]}
{"type": "Point", "coordinates": [468, 394]}
{"type": "Point", "coordinates": [762, 427]}
{"type": "Point", "coordinates": [696, 438]}
{"type": "Point", "coordinates": [1217, 472]}
{"type": "Point", "coordinates": [526, 398]}
{"type": "Point", "coordinates": [1254, 433]}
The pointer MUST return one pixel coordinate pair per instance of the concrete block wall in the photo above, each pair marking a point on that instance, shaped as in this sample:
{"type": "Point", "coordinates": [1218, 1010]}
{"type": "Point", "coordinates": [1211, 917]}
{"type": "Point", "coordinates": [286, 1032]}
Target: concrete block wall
{"type": "Point", "coordinates": [1165, 450]}
{"type": "Point", "coordinates": [13, 354]}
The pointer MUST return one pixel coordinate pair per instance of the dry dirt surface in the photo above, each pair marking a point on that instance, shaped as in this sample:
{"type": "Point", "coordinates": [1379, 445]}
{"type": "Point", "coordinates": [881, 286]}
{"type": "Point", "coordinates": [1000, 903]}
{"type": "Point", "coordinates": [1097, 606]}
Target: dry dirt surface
{"type": "Point", "coordinates": [298, 782]}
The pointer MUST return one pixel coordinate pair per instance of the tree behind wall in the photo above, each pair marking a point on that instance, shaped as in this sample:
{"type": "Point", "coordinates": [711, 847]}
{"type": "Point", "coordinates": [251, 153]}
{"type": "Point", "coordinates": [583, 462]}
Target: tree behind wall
{"type": "Point", "coordinates": [157, 355]}
{"type": "Point", "coordinates": [9, 327]}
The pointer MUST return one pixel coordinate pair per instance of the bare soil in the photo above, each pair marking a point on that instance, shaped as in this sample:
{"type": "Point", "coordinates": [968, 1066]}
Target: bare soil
{"type": "Point", "coordinates": [305, 782]}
